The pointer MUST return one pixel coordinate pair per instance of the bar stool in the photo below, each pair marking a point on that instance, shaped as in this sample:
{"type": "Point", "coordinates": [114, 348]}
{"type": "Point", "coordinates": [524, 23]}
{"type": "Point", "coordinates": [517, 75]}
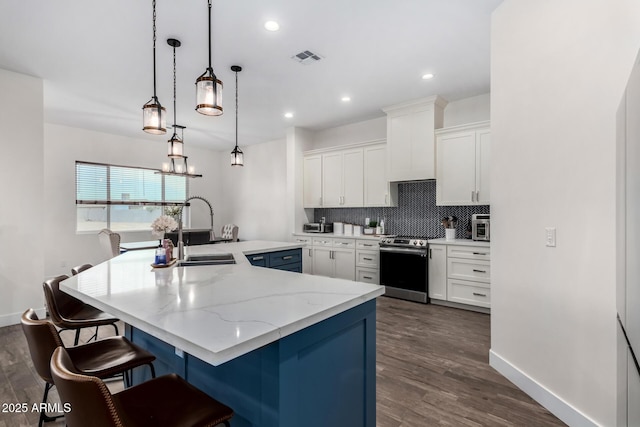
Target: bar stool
{"type": "Point", "coordinates": [69, 313]}
{"type": "Point", "coordinates": [80, 268]}
{"type": "Point", "coordinates": [164, 401]}
{"type": "Point", "coordinates": [104, 358]}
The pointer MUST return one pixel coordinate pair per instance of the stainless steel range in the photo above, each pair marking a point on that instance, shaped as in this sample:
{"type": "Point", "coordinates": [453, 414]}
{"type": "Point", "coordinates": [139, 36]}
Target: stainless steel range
{"type": "Point", "coordinates": [404, 267]}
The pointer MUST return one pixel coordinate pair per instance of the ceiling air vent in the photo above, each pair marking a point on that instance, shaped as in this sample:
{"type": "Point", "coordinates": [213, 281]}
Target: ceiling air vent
{"type": "Point", "coordinates": [306, 57]}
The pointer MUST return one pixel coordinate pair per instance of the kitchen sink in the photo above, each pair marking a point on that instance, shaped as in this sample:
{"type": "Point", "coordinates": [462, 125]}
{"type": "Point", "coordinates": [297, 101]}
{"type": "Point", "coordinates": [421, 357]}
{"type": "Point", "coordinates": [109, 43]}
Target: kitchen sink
{"type": "Point", "coordinates": [207, 259]}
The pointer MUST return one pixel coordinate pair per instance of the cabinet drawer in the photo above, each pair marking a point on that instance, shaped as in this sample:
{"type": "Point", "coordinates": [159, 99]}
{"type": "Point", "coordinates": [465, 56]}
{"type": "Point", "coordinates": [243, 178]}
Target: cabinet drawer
{"type": "Point", "coordinates": [296, 268]}
{"type": "Point", "coordinates": [367, 258]}
{"type": "Point", "coordinates": [470, 293]}
{"type": "Point", "coordinates": [367, 275]}
{"type": "Point", "coordinates": [344, 243]}
{"type": "Point", "coordinates": [468, 252]}
{"type": "Point", "coordinates": [300, 239]}
{"type": "Point", "coordinates": [322, 241]}
{"type": "Point", "coordinates": [466, 269]}
{"type": "Point", "coordinates": [285, 257]}
{"type": "Point", "coordinates": [369, 245]}
{"type": "Point", "coordinates": [259, 260]}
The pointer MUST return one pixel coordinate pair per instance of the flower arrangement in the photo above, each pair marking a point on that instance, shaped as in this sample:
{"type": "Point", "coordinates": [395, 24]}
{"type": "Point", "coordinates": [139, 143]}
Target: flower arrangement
{"type": "Point", "coordinates": [162, 224]}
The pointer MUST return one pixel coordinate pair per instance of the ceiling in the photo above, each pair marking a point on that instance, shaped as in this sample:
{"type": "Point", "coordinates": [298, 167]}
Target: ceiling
{"type": "Point", "coordinates": [96, 60]}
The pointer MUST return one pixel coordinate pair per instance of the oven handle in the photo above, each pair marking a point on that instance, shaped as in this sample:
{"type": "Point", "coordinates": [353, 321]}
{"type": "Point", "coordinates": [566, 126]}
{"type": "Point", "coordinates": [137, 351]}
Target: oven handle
{"type": "Point", "coordinates": [421, 251]}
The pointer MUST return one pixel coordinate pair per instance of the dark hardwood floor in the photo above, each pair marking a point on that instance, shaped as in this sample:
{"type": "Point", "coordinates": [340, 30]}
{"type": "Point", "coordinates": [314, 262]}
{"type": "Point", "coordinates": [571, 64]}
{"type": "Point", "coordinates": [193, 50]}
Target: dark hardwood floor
{"type": "Point", "coordinates": [432, 370]}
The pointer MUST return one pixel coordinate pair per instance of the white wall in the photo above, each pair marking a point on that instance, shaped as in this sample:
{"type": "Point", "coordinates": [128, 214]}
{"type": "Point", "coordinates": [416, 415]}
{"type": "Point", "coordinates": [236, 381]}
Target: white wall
{"type": "Point", "coordinates": [467, 110]}
{"type": "Point", "coordinates": [558, 73]}
{"type": "Point", "coordinates": [22, 213]}
{"type": "Point", "coordinates": [254, 197]}
{"type": "Point", "coordinates": [63, 146]}
{"type": "Point", "coordinates": [368, 130]}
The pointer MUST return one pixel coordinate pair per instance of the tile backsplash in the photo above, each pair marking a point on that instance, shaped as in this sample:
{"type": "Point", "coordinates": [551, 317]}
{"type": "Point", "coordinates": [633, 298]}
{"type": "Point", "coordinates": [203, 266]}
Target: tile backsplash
{"type": "Point", "coordinates": [415, 215]}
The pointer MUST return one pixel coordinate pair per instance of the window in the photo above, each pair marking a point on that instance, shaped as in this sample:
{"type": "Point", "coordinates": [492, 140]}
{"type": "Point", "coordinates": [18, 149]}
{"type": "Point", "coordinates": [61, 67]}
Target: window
{"type": "Point", "coordinates": [123, 198]}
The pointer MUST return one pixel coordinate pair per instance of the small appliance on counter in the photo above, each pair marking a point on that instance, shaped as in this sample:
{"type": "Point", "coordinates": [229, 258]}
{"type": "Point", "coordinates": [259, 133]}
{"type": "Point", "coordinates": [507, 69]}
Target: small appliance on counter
{"type": "Point", "coordinates": [480, 228]}
{"type": "Point", "coordinates": [317, 227]}
{"type": "Point", "coordinates": [338, 228]}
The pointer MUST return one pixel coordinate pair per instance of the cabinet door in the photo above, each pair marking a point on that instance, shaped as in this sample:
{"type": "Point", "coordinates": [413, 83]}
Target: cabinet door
{"type": "Point", "coordinates": [399, 141]}
{"type": "Point", "coordinates": [312, 181]}
{"type": "Point", "coordinates": [332, 179]}
{"type": "Point", "coordinates": [483, 163]}
{"type": "Point", "coordinates": [376, 184]}
{"type": "Point", "coordinates": [352, 178]}
{"type": "Point", "coordinates": [345, 264]}
{"type": "Point", "coordinates": [423, 160]}
{"type": "Point", "coordinates": [438, 272]}
{"type": "Point", "coordinates": [322, 262]}
{"type": "Point", "coordinates": [456, 168]}
{"type": "Point", "coordinates": [307, 260]}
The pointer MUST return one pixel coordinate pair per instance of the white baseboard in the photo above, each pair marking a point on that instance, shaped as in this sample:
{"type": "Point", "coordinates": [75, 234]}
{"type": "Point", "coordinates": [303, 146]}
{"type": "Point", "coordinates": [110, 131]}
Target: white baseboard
{"type": "Point", "coordinates": [14, 318]}
{"type": "Point", "coordinates": [554, 404]}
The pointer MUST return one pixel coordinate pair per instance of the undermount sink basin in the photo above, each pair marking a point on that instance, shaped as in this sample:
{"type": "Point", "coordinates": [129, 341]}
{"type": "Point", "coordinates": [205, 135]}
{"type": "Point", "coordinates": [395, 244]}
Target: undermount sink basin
{"type": "Point", "coordinates": [207, 259]}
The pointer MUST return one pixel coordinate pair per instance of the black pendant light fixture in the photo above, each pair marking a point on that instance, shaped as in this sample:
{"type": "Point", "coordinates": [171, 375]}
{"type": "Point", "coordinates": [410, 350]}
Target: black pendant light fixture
{"type": "Point", "coordinates": [237, 157]}
{"type": "Point", "coordinates": [176, 146]}
{"type": "Point", "coordinates": [208, 87]}
{"type": "Point", "coordinates": [154, 118]}
{"type": "Point", "coordinates": [177, 164]}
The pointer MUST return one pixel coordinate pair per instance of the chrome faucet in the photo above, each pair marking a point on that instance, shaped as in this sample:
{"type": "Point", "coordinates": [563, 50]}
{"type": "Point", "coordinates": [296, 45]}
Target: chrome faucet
{"type": "Point", "coordinates": [180, 242]}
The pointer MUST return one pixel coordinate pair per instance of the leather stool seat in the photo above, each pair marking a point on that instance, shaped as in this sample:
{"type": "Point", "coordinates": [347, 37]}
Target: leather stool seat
{"type": "Point", "coordinates": [68, 312]}
{"type": "Point", "coordinates": [165, 401]}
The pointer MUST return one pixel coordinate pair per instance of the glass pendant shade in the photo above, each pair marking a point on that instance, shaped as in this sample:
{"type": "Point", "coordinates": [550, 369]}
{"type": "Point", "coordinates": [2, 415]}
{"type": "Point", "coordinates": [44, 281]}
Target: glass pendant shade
{"type": "Point", "coordinates": [208, 95]}
{"type": "Point", "coordinates": [154, 118]}
{"type": "Point", "coordinates": [237, 157]}
{"type": "Point", "coordinates": [176, 147]}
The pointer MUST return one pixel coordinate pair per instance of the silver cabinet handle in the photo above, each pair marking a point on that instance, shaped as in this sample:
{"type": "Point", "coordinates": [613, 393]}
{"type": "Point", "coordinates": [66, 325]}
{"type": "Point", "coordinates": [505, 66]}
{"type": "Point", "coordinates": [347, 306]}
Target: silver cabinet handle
{"type": "Point", "coordinates": [287, 257]}
{"type": "Point", "coordinates": [479, 253]}
{"type": "Point", "coordinates": [430, 255]}
{"type": "Point", "coordinates": [310, 252]}
{"type": "Point", "coordinates": [479, 294]}
{"type": "Point", "coordinates": [367, 259]}
{"type": "Point", "coordinates": [367, 277]}
{"type": "Point", "coordinates": [385, 199]}
{"type": "Point", "coordinates": [473, 194]}
{"type": "Point", "coordinates": [320, 201]}
{"type": "Point", "coordinates": [257, 258]}
{"type": "Point", "coordinates": [478, 196]}
{"type": "Point", "coordinates": [479, 271]}
{"type": "Point", "coordinates": [367, 244]}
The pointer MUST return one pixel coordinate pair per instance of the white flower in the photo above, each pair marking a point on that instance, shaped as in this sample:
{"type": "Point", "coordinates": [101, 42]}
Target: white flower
{"type": "Point", "coordinates": [162, 224]}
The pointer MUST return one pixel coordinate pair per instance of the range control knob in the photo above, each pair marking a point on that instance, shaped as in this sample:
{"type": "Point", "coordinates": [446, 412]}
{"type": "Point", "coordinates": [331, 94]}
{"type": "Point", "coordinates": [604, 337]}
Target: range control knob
{"type": "Point", "coordinates": [415, 242]}
{"type": "Point", "coordinates": [421, 243]}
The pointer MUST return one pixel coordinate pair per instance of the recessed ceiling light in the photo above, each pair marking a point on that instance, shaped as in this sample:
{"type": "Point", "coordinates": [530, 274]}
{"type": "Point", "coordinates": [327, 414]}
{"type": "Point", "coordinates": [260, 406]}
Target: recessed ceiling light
{"type": "Point", "coordinates": [427, 76]}
{"type": "Point", "coordinates": [288, 115]}
{"type": "Point", "coordinates": [271, 26]}
{"type": "Point", "coordinates": [345, 99]}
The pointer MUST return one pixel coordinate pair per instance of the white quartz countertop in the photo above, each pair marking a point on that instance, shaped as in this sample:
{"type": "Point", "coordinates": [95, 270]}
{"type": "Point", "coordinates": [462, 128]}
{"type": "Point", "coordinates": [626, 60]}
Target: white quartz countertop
{"type": "Point", "coordinates": [464, 242]}
{"type": "Point", "coordinates": [220, 312]}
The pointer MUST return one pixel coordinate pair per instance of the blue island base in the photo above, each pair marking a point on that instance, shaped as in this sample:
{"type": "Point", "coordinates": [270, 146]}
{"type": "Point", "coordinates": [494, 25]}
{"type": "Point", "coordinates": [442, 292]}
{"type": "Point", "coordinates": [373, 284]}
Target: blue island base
{"type": "Point", "coordinates": [323, 375]}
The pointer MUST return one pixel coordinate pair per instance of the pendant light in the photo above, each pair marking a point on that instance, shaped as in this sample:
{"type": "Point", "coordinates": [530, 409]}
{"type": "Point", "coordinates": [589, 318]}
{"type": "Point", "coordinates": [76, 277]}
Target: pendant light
{"type": "Point", "coordinates": [154, 118]}
{"type": "Point", "coordinates": [176, 146]}
{"type": "Point", "coordinates": [237, 157]}
{"type": "Point", "coordinates": [208, 87]}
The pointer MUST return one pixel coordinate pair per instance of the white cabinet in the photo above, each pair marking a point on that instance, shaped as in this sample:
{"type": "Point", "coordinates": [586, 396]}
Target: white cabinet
{"type": "Point", "coordinates": [378, 191]}
{"type": "Point", "coordinates": [307, 254]}
{"type": "Point", "coordinates": [334, 258]}
{"type": "Point", "coordinates": [460, 274]}
{"type": "Point", "coordinates": [343, 178]}
{"type": "Point", "coordinates": [410, 138]}
{"type": "Point", "coordinates": [367, 261]}
{"type": "Point", "coordinates": [438, 271]}
{"type": "Point", "coordinates": [312, 181]}
{"type": "Point", "coordinates": [463, 156]}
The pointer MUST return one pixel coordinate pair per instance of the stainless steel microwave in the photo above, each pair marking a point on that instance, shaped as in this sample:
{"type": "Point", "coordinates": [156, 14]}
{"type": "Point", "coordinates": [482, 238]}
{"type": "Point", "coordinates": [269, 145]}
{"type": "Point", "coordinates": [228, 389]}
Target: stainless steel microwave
{"type": "Point", "coordinates": [480, 227]}
{"type": "Point", "coordinates": [317, 227]}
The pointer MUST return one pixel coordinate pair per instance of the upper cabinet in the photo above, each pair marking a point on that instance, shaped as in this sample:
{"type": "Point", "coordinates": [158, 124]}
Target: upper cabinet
{"type": "Point", "coordinates": [462, 165]}
{"type": "Point", "coordinates": [410, 138]}
{"type": "Point", "coordinates": [342, 178]}
{"type": "Point", "coordinates": [354, 176]}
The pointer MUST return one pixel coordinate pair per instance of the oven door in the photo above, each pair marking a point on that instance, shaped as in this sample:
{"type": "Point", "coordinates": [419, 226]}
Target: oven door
{"type": "Point", "coordinates": [403, 271]}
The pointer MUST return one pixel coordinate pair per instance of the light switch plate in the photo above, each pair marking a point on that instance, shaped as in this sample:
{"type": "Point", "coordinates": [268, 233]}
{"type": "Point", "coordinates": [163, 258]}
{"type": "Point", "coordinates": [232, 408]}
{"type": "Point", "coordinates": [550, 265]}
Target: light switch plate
{"type": "Point", "coordinates": [550, 236]}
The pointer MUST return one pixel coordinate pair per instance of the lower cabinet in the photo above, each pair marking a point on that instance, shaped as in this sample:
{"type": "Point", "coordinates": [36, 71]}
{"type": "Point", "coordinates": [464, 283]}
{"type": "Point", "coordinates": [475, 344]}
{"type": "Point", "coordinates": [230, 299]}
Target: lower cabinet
{"type": "Point", "coordinates": [334, 258]}
{"type": "Point", "coordinates": [289, 260]}
{"type": "Point", "coordinates": [367, 261]}
{"type": "Point", "coordinates": [460, 274]}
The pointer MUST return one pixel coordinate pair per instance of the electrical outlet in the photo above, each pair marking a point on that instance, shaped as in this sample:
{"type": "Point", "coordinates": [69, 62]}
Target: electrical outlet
{"type": "Point", "coordinates": [550, 236]}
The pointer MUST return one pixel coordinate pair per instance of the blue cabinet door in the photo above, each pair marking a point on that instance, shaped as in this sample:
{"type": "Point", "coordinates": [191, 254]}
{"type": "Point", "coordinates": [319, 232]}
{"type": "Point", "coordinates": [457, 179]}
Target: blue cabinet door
{"type": "Point", "coordinates": [290, 260]}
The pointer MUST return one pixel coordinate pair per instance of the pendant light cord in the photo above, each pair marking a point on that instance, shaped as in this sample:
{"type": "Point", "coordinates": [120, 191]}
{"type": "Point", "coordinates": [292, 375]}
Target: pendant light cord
{"type": "Point", "coordinates": [210, 68]}
{"type": "Point", "coordinates": [154, 51]}
{"type": "Point", "coordinates": [236, 110]}
{"type": "Point", "coordinates": [174, 90]}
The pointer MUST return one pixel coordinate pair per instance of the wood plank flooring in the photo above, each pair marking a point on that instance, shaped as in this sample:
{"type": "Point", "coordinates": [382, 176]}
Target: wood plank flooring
{"type": "Point", "coordinates": [432, 370]}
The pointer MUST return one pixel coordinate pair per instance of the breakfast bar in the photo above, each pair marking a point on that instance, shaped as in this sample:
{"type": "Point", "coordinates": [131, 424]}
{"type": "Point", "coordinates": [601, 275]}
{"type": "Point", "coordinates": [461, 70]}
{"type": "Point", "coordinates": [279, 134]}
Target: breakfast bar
{"type": "Point", "coordinates": [281, 348]}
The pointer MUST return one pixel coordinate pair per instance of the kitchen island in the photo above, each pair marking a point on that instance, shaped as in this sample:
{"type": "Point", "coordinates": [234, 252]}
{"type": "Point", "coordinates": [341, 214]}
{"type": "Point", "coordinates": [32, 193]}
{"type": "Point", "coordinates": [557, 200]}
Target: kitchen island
{"type": "Point", "coordinates": [281, 348]}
